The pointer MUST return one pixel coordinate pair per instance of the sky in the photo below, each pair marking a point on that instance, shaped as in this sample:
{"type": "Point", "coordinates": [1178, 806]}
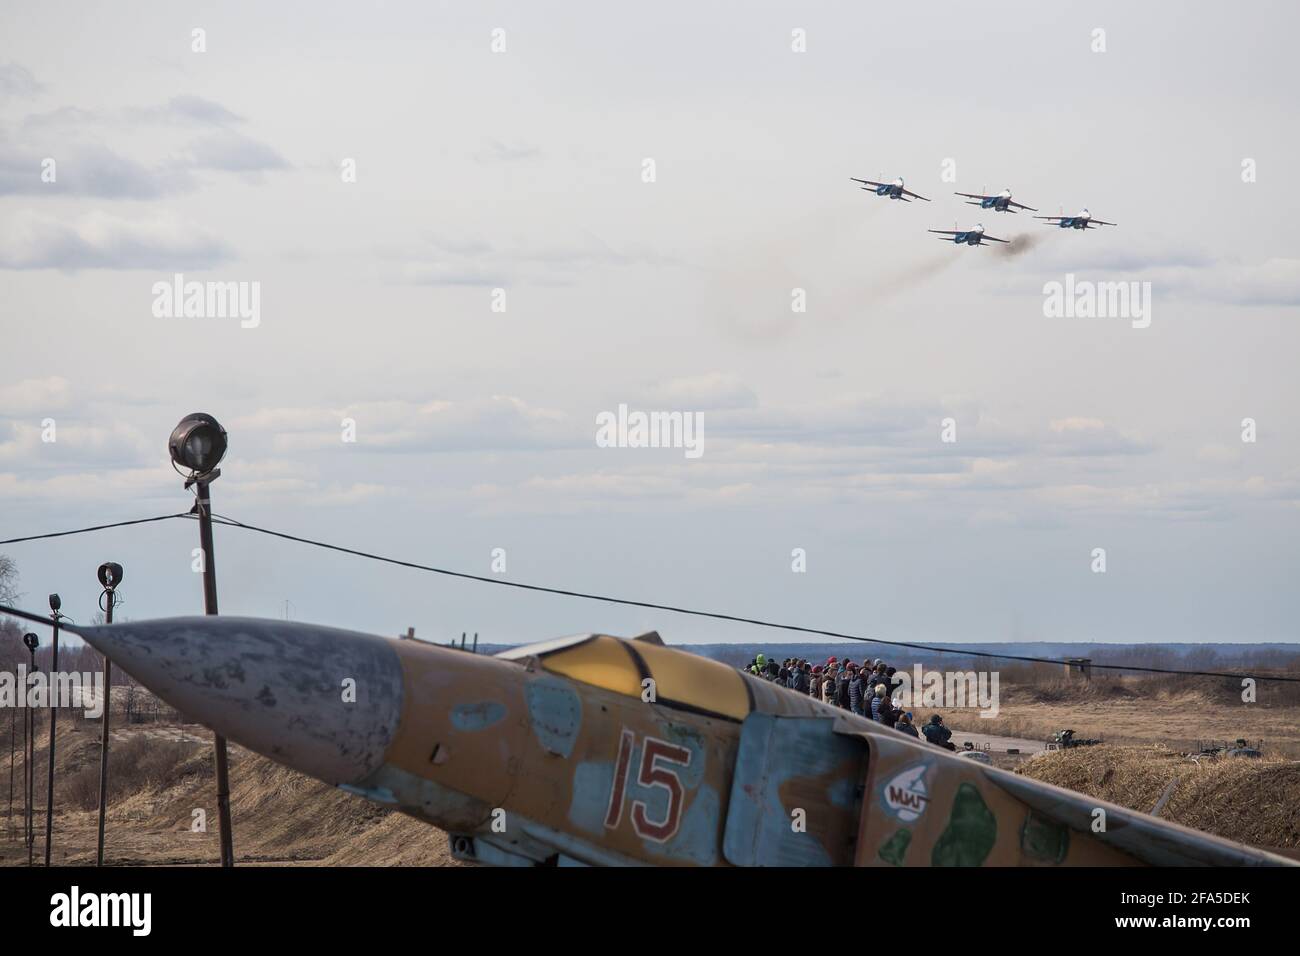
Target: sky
{"type": "Point", "coordinates": [390, 174]}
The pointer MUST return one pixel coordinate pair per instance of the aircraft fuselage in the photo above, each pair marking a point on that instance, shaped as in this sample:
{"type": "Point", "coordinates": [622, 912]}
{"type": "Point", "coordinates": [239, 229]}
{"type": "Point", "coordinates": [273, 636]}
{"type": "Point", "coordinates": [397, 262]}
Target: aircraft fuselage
{"type": "Point", "coordinates": [599, 751]}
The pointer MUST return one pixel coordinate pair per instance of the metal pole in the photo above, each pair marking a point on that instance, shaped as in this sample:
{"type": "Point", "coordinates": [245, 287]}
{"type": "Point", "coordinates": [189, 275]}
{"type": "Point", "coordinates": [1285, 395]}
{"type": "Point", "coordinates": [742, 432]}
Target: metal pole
{"type": "Point", "coordinates": [203, 505]}
{"type": "Point", "coordinates": [54, 716]}
{"type": "Point", "coordinates": [13, 742]}
{"type": "Point", "coordinates": [103, 740]}
{"type": "Point", "coordinates": [27, 768]}
{"type": "Point", "coordinates": [31, 773]}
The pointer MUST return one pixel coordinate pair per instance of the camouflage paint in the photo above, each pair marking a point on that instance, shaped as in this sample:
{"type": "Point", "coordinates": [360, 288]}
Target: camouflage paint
{"type": "Point", "coordinates": [972, 831]}
{"type": "Point", "coordinates": [479, 715]}
{"type": "Point", "coordinates": [787, 766]}
{"type": "Point", "coordinates": [1044, 839]}
{"type": "Point", "coordinates": [894, 850]}
{"type": "Point", "coordinates": [556, 713]}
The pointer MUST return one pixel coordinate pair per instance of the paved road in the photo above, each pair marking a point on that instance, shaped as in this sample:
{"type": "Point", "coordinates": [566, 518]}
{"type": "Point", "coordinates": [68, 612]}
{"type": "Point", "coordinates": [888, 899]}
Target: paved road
{"type": "Point", "coordinates": [997, 744]}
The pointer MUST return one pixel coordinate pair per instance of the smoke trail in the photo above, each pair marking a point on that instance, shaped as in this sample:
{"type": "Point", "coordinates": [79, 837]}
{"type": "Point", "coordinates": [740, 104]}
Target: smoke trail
{"type": "Point", "coordinates": [909, 277]}
{"type": "Point", "coordinates": [747, 290]}
{"type": "Point", "coordinates": [1019, 245]}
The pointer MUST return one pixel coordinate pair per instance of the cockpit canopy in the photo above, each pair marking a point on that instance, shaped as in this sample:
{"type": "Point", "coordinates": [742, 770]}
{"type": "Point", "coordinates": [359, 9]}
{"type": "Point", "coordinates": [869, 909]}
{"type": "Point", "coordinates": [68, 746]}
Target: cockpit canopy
{"type": "Point", "coordinates": [681, 679]}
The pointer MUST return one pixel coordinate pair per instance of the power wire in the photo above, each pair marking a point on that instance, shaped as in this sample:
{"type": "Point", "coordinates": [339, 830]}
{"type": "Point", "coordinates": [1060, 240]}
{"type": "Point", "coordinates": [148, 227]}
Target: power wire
{"type": "Point", "coordinates": [718, 616]}
{"type": "Point", "coordinates": [651, 605]}
{"type": "Point", "coordinates": [98, 527]}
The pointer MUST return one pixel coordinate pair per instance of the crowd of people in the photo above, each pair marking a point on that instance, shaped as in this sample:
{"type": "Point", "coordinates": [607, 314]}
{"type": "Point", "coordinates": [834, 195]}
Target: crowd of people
{"type": "Point", "coordinates": [866, 689]}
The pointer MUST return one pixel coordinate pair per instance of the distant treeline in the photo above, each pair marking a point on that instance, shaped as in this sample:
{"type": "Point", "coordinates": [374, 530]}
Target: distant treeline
{"type": "Point", "coordinates": [1219, 656]}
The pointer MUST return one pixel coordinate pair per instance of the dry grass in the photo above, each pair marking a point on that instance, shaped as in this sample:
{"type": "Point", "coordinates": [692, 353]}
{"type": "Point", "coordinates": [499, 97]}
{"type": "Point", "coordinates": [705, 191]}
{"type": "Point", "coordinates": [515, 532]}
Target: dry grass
{"type": "Point", "coordinates": [1176, 714]}
{"type": "Point", "coordinates": [158, 781]}
{"type": "Point", "coordinates": [1250, 801]}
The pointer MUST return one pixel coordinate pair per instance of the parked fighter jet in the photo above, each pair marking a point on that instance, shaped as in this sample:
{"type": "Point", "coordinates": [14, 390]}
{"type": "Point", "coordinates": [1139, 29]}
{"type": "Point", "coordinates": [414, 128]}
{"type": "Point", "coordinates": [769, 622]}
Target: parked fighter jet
{"type": "Point", "coordinates": [1082, 221]}
{"type": "Point", "coordinates": [595, 750]}
{"type": "Point", "coordinates": [971, 237]}
{"type": "Point", "coordinates": [1001, 202]}
{"type": "Point", "coordinates": [893, 190]}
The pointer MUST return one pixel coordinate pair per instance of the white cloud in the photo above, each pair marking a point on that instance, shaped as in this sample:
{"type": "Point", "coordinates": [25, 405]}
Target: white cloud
{"type": "Point", "coordinates": [498, 422]}
{"type": "Point", "coordinates": [97, 240]}
{"type": "Point", "coordinates": [40, 396]}
{"type": "Point", "coordinates": [17, 81]}
{"type": "Point", "coordinates": [712, 390]}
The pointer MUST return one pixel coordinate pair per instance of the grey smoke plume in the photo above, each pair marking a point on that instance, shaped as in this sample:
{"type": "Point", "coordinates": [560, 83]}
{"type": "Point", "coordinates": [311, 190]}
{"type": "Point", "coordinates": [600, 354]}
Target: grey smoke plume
{"type": "Point", "coordinates": [1019, 245]}
{"type": "Point", "coordinates": [901, 280]}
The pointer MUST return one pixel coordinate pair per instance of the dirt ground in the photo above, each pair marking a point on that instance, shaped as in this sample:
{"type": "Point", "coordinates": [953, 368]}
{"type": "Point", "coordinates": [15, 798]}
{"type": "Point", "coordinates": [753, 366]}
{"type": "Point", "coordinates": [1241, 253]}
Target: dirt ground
{"type": "Point", "coordinates": [1252, 801]}
{"type": "Point", "coordinates": [278, 816]}
{"type": "Point", "coordinates": [1177, 720]}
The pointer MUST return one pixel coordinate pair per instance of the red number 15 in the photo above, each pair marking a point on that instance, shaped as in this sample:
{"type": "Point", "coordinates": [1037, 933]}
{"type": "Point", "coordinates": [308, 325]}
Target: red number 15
{"type": "Point", "coordinates": [652, 773]}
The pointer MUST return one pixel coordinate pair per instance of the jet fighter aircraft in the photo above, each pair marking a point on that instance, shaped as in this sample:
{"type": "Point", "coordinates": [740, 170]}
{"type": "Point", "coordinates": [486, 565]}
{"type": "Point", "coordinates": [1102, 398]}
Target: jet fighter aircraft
{"type": "Point", "coordinates": [1001, 202]}
{"type": "Point", "coordinates": [893, 190]}
{"type": "Point", "coordinates": [971, 237]}
{"type": "Point", "coordinates": [1082, 221]}
{"type": "Point", "coordinates": [598, 750]}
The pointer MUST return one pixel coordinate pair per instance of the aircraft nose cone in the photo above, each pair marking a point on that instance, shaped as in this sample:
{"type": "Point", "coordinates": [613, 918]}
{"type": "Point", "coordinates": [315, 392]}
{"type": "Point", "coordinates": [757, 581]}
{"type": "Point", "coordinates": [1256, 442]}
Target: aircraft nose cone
{"type": "Point", "coordinates": [323, 701]}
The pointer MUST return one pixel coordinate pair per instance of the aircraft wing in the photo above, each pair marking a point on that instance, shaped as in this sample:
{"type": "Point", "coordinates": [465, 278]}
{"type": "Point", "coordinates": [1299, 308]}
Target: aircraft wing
{"type": "Point", "coordinates": [945, 232]}
{"type": "Point", "coordinates": [1100, 222]}
{"type": "Point", "coordinates": [1020, 205]}
{"type": "Point", "coordinates": [956, 812]}
{"type": "Point", "coordinates": [994, 239]}
{"type": "Point", "coordinates": [973, 196]}
{"type": "Point", "coordinates": [867, 181]}
{"type": "Point", "coordinates": [1054, 218]}
{"type": "Point", "coordinates": [908, 192]}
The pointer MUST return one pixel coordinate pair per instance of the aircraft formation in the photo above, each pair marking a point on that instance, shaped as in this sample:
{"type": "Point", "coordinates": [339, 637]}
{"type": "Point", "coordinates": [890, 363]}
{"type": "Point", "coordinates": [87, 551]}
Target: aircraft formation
{"type": "Point", "coordinates": [997, 202]}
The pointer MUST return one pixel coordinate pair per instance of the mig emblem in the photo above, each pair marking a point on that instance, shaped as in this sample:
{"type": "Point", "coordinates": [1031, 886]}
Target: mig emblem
{"type": "Point", "coordinates": [906, 794]}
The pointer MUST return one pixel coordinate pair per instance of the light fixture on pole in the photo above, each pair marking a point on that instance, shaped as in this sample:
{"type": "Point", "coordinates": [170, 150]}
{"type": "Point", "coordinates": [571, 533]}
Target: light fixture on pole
{"type": "Point", "coordinates": [110, 576]}
{"type": "Point", "coordinates": [197, 445]}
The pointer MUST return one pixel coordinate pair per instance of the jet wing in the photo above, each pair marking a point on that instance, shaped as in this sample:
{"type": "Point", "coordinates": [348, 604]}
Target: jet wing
{"type": "Point", "coordinates": [908, 192]}
{"type": "Point", "coordinates": [1020, 205]}
{"type": "Point", "coordinates": [923, 806]}
{"type": "Point", "coordinates": [1100, 222]}
{"type": "Point", "coordinates": [1054, 218]}
{"type": "Point", "coordinates": [867, 181]}
{"type": "Point", "coordinates": [988, 238]}
{"type": "Point", "coordinates": [973, 196]}
{"type": "Point", "coordinates": [945, 232]}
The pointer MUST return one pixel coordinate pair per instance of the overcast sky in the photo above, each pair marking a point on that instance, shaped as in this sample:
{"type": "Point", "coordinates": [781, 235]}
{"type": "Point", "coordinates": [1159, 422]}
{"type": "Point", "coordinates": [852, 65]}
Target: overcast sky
{"type": "Point", "coordinates": [523, 170]}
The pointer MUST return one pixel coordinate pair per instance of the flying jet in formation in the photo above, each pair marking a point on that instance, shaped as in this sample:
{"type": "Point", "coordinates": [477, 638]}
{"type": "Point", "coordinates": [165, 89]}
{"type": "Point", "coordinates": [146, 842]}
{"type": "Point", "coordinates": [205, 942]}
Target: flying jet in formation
{"type": "Point", "coordinates": [999, 202]}
{"type": "Point", "coordinates": [1082, 221]}
{"type": "Point", "coordinates": [893, 190]}
{"type": "Point", "coordinates": [974, 236]}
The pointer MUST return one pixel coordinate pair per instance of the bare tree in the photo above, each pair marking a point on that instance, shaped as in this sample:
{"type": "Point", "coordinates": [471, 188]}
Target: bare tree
{"type": "Point", "coordinates": [8, 580]}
